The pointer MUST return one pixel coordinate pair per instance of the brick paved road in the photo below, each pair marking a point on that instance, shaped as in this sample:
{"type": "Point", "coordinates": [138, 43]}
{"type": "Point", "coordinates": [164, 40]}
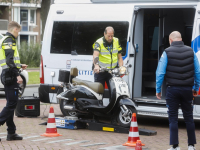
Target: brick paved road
{"type": "Point", "coordinates": [31, 131]}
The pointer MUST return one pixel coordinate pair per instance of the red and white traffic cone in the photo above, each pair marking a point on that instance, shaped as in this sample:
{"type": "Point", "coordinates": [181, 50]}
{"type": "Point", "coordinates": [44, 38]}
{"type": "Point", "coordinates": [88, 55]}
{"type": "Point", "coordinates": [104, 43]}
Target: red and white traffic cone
{"type": "Point", "coordinates": [51, 130]}
{"type": "Point", "coordinates": [138, 145]}
{"type": "Point", "coordinates": [133, 133]}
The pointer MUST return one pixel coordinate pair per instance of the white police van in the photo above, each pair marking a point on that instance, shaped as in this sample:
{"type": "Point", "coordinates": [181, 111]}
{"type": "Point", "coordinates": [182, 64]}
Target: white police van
{"type": "Point", "coordinates": [143, 28]}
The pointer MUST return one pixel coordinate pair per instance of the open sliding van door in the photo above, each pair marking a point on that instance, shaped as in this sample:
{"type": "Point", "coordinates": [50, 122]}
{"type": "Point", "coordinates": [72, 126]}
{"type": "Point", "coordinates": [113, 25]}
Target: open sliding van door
{"type": "Point", "coordinates": [132, 49]}
{"type": "Point", "coordinates": [196, 47]}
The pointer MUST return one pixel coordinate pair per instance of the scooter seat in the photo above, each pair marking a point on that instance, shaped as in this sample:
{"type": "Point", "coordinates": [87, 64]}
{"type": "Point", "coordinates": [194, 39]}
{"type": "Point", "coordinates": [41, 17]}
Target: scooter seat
{"type": "Point", "coordinates": [95, 86]}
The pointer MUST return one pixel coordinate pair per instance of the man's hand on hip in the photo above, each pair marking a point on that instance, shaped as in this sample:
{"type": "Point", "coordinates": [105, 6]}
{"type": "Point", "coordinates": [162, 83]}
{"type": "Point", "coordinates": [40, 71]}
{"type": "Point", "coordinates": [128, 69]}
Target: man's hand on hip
{"type": "Point", "coordinates": [19, 79]}
{"type": "Point", "coordinates": [158, 95]}
{"type": "Point", "coordinates": [24, 66]}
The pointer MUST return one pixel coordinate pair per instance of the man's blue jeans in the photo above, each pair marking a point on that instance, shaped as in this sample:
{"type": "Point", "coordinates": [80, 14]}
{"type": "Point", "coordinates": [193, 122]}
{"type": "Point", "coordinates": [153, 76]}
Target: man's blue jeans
{"type": "Point", "coordinates": [180, 95]}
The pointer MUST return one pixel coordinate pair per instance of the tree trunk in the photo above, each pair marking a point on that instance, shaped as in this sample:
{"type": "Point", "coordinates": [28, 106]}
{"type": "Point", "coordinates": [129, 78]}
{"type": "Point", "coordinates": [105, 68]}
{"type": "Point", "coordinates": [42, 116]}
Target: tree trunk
{"type": "Point", "coordinates": [45, 5]}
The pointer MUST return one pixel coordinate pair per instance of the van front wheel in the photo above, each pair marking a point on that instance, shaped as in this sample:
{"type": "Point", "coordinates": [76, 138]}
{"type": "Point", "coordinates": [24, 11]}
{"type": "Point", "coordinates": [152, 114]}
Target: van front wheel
{"type": "Point", "coordinates": [67, 112]}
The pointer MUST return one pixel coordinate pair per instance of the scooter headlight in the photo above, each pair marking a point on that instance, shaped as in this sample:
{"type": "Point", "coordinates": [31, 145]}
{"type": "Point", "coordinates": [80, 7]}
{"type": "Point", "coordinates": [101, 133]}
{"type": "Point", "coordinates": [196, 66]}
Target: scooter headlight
{"type": "Point", "coordinates": [122, 70]}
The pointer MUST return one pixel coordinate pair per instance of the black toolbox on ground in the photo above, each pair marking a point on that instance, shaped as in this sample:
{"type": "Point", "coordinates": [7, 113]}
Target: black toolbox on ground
{"type": "Point", "coordinates": [28, 106]}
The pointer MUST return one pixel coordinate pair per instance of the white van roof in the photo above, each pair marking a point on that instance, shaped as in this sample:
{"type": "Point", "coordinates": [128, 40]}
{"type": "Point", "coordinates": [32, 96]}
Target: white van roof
{"type": "Point", "coordinates": [72, 1]}
{"type": "Point", "coordinates": [119, 1]}
{"type": "Point", "coordinates": [141, 1]}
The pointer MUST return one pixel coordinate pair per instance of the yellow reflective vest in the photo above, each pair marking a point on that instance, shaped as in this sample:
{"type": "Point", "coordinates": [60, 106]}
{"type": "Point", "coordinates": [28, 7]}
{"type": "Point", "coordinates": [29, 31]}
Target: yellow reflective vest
{"type": "Point", "coordinates": [3, 47]}
{"type": "Point", "coordinates": [108, 58]}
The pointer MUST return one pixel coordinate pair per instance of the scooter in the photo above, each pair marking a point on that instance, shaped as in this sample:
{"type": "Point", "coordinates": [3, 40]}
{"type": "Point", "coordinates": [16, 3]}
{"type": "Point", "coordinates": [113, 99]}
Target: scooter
{"type": "Point", "coordinates": [84, 97]}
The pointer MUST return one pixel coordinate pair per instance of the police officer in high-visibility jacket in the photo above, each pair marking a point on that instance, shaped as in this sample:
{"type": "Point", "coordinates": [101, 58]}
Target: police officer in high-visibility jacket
{"type": "Point", "coordinates": [10, 77]}
{"type": "Point", "coordinates": [109, 50]}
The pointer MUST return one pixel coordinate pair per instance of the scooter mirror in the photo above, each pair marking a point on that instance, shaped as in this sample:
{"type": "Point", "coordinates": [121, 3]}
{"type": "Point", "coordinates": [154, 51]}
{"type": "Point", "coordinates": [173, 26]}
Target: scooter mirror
{"type": "Point", "coordinates": [96, 60]}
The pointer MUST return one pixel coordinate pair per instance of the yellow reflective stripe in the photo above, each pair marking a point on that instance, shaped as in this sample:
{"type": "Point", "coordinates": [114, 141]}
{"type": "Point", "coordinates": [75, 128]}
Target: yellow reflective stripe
{"type": "Point", "coordinates": [18, 65]}
{"type": "Point", "coordinates": [107, 65]}
{"type": "Point", "coordinates": [115, 51]}
{"type": "Point", "coordinates": [3, 64]}
{"type": "Point", "coordinates": [6, 47]}
{"type": "Point", "coordinates": [13, 44]}
{"type": "Point", "coordinates": [16, 58]}
{"type": "Point", "coordinates": [104, 65]}
{"type": "Point", "coordinates": [114, 65]}
{"type": "Point", "coordinates": [2, 61]}
{"type": "Point", "coordinates": [5, 67]}
{"type": "Point", "coordinates": [105, 53]}
{"type": "Point", "coordinates": [4, 43]}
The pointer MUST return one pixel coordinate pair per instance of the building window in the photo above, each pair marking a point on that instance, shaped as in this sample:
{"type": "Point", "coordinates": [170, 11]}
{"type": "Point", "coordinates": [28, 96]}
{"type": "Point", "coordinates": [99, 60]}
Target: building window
{"type": "Point", "coordinates": [23, 38]}
{"type": "Point", "coordinates": [27, 19]}
{"type": "Point", "coordinates": [16, 15]}
{"type": "Point", "coordinates": [32, 17]}
{"type": "Point", "coordinates": [32, 39]}
{"type": "Point", "coordinates": [24, 19]}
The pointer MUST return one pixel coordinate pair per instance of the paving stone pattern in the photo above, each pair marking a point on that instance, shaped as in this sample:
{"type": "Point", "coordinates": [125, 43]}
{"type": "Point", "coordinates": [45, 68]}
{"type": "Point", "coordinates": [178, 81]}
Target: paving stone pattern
{"type": "Point", "coordinates": [83, 139]}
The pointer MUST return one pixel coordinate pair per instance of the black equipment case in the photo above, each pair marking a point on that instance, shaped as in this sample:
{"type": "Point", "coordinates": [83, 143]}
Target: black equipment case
{"type": "Point", "coordinates": [28, 106]}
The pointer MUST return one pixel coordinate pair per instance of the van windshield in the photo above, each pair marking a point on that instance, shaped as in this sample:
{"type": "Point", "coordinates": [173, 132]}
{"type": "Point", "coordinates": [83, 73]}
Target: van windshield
{"type": "Point", "coordinates": [80, 36]}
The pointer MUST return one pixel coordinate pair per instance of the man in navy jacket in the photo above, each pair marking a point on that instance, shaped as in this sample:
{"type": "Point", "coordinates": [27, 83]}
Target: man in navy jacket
{"type": "Point", "coordinates": [180, 66]}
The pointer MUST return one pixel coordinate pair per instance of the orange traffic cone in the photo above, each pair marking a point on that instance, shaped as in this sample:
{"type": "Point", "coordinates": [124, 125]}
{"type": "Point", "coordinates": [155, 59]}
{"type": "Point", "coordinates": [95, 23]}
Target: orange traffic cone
{"type": "Point", "coordinates": [133, 133]}
{"type": "Point", "coordinates": [51, 130]}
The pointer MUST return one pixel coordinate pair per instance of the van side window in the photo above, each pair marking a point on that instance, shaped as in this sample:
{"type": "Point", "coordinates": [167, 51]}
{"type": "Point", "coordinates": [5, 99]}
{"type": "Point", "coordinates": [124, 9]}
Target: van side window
{"type": "Point", "coordinates": [78, 37]}
{"type": "Point", "coordinates": [61, 41]}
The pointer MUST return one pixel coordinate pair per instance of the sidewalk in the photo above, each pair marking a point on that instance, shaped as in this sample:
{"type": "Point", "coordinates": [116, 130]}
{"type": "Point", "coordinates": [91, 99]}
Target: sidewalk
{"type": "Point", "coordinates": [32, 85]}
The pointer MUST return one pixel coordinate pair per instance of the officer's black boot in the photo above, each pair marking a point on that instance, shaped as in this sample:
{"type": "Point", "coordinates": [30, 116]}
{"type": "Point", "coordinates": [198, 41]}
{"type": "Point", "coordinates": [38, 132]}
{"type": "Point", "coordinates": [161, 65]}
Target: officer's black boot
{"type": "Point", "coordinates": [11, 137]}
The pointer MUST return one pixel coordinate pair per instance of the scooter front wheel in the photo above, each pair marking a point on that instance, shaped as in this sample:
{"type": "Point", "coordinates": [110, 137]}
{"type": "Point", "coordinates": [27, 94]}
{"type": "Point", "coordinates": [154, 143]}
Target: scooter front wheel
{"type": "Point", "coordinates": [67, 112]}
{"type": "Point", "coordinates": [125, 121]}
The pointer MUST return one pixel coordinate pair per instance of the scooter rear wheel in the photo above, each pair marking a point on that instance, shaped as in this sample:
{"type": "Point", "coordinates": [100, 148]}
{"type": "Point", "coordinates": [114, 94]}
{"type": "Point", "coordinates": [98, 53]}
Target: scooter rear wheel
{"type": "Point", "coordinates": [125, 121]}
{"type": "Point", "coordinates": [67, 112]}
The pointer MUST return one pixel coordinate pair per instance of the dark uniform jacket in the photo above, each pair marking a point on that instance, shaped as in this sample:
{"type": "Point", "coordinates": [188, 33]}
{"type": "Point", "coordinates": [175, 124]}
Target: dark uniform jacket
{"type": "Point", "coordinates": [10, 41]}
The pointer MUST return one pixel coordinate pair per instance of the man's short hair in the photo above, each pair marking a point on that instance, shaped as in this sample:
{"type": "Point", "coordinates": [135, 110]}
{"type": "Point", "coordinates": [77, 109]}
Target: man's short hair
{"type": "Point", "coordinates": [12, 25]}
{"type": "Point", "coordinates": [105, 31]}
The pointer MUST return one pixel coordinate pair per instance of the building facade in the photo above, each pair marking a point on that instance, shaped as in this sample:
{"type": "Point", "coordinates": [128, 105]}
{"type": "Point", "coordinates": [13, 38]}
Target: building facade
{"type": "Point", "coordinates": [27, 15]}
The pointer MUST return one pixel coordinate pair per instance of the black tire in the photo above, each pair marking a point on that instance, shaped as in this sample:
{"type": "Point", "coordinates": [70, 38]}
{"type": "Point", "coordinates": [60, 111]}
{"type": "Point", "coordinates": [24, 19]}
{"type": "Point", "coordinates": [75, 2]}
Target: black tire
{"type": "Point", "coordinates": [67, 112]}
{"type": "Point", "coordinates": [22, 86]}
{"type": "Point", "coordinates": [126, 120]}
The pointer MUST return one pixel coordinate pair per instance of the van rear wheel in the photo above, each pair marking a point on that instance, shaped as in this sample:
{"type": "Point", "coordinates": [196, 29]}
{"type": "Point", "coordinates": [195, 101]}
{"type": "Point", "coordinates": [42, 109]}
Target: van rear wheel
{"type": "Point", "coordinates": [125, 121]}
{"type": "Point", "coordinates": [67, 112]}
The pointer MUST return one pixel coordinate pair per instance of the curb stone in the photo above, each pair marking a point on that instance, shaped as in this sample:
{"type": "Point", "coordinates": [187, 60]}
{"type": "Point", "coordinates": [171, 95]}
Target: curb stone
{"type": "Point", "coordinates": [32, 85]}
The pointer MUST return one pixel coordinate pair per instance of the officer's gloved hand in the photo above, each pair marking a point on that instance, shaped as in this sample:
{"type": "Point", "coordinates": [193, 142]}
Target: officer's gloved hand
{"type": "Point", "coordinates": [96, 69]}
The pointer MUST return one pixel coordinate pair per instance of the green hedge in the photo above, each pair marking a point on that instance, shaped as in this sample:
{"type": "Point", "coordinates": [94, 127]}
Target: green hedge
{"type": "Point", "coordinates": [30, 54]}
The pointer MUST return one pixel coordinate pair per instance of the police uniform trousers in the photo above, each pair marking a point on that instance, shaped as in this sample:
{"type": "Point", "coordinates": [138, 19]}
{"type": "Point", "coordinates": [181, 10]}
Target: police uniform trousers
{"type": "Point", "coordinates": [102, 77]}
{"type": "Point", "coordinates": [7, 114]}
{"type": "Point", "coordinates": [180, 96]}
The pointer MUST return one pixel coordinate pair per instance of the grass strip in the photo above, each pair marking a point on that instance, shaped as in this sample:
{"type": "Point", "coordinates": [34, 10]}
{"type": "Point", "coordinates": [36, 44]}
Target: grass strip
{"type": "Point", "coordinates": [34, 77]}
